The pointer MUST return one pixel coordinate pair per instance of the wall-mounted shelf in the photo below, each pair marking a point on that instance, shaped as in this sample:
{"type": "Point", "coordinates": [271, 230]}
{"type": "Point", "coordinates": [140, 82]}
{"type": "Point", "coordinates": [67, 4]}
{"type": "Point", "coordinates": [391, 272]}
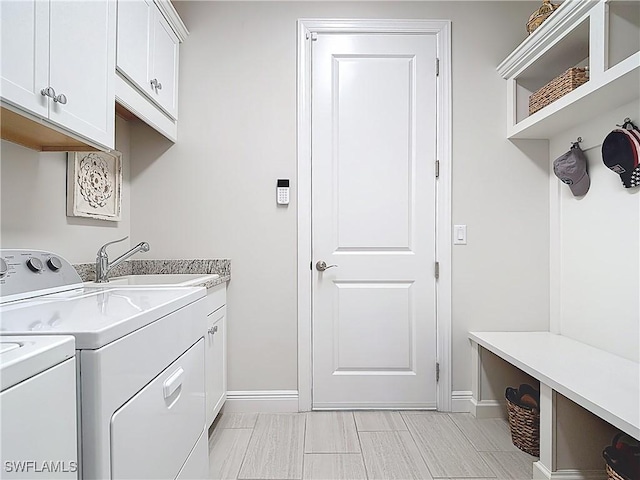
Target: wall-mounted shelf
{"type": "Point", "coordinates": [603, 35]}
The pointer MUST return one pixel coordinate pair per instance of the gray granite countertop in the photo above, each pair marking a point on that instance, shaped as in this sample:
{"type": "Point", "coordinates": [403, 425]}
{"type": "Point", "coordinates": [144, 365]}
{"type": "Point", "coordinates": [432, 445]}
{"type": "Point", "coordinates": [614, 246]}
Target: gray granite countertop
{"type": "Point", "coordinates": [221, 266]}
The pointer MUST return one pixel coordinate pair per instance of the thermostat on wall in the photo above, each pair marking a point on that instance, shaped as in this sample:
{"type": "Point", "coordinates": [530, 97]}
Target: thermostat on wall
{"type": "Point", "coordinates": [282, 191]}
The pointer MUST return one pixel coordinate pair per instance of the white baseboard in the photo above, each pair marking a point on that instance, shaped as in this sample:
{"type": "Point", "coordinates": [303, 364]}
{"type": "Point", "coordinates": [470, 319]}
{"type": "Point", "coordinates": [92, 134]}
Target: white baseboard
{"type": "Point", "coordinates": [262, 401]}
{"type": "Point", "coordinates": [373, 406]}
{"type": "Point", "coordinates": [461, 401]}
{"type": "Point", "coordinates": [488, 409]}
{"type": "Point", "coordinates": [540, 472]}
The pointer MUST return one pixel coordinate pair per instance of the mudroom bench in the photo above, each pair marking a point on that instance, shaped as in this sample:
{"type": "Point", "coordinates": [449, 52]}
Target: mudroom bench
{"type": "Point", "coordinates": [601, 383]}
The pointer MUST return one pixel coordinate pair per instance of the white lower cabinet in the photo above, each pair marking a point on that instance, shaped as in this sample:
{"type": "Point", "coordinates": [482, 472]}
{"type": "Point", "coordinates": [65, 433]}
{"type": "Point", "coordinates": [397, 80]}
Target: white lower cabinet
{"type": "Point", "coordinates": [216, 351]}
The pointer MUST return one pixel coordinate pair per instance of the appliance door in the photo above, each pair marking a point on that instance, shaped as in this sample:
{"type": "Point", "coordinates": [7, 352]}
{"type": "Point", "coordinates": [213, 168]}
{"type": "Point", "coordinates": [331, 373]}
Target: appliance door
{"type": "Point", "coordinates": [197, 465]}
{"type": "Point", "coordinates": [38, 420]}
{"type": "Point", "coordinates": [154, 432]}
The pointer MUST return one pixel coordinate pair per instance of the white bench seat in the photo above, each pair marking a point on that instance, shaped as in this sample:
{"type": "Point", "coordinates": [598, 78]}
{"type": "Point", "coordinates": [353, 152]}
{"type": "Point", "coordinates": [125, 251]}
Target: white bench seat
{"type": "Point", "coordinates": [603, 383]}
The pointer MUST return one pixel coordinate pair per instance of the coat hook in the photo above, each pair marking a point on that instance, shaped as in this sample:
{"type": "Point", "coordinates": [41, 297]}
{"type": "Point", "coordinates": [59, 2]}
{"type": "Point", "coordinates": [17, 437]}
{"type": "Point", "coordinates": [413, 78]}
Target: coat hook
{"type": "Point", "coordinates": [576, 143]}
{"type": "Point", "coordinates": [628, 124]}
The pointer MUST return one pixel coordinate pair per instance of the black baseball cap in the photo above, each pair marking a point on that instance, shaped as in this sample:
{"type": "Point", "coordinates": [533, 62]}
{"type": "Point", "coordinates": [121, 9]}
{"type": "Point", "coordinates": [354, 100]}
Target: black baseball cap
{"type": "Point", "coordinates": [620, 153]}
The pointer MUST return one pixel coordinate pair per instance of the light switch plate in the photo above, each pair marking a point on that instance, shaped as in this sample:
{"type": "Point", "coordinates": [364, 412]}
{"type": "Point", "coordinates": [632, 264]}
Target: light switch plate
{"type": "Point", "coordinates": [459, 234]}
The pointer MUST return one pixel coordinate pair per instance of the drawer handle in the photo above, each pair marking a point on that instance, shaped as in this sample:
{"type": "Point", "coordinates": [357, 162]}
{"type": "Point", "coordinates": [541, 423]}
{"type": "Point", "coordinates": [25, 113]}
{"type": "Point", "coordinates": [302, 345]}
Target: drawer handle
{"type": "Point", "coordinates": [213, 330]}
{"type": "Point", "coordinates": [172, 383]}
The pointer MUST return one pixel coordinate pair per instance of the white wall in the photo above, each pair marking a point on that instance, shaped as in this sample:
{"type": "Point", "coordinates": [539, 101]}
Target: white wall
{"type": "Point", "coordinates": [212, 194]}
{"type": "Point", "coordinates": [34, 203]}
{"type": "Point", "coordinates": [596, 247]}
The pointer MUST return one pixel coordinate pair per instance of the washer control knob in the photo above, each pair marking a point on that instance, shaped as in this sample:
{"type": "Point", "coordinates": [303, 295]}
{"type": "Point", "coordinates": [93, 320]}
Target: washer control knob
{"type": "Point", "coordinates": [4, 268]}
{"type": "Point", "coordinates": [34, 264]}
{"type": "Point", "coordinates": [54, 264]}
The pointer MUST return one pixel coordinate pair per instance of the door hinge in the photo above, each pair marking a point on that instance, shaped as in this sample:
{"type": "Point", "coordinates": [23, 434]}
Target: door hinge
{"type": "Point", "coordinates": [314, 36]}
{"type": "Point", "coordinates": [437, 270]}
{"type": "Point", "coordinates": [437, 371]}
{"type": "Point", "coordinates": [437, 67]}
{"type": "Point", "coordinates": [437, 168]}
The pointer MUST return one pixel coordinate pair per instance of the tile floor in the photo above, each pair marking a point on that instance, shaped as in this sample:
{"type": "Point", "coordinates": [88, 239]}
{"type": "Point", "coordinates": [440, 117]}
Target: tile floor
{"type": "Point", "coordinates": [364, 445]}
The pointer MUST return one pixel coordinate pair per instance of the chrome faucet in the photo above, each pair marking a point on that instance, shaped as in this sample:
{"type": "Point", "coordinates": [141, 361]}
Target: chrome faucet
{"type": "Point", "coordinates": [103, 266]}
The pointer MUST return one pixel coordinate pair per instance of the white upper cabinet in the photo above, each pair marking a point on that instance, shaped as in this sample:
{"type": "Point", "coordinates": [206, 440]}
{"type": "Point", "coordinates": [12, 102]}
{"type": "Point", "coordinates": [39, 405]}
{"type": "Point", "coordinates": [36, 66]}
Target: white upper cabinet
{"type": "Point", "coordinates": [164, 65]}
{"type": "Point", "coordinates": [149, 35]}
{"type": "Point", "coordinates": [82, 60]}
{"type": "Point", "coordinates": [25, 54]}
{"type": "Point", "coordinates": [133, 47]}
{"type": "Point", "coordinates": [602, 35]}
{"type": "Point", "coordinates": [58, 59]}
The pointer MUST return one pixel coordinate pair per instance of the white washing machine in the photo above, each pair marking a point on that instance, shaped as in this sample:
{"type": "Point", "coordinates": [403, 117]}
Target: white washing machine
{"type": "Point", "coordinates": [38, 408]}
{"type": "Point", "coordinates": [140, 364]}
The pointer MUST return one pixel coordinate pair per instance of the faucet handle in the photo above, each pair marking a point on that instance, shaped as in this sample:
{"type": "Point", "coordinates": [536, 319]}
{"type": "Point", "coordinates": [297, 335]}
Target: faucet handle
{"type": "Point", "coordinates": [102, 252]}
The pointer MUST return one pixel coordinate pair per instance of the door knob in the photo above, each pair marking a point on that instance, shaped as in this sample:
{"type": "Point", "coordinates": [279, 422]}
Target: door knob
{"type": "Point", "coordinates": [321, 266]}
{"type": "Point", "coordinates": [61, 99]}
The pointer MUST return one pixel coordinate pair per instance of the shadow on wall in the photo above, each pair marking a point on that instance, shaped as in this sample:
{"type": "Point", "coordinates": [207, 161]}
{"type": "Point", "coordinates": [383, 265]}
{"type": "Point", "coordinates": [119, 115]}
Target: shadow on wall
{"type": "Point", "coordinates": [19, 166]}
{"type": "Point", "coordinates": [145, 139]}
{"type": "Point", "coordinates": [536, 150]}
{"type": "Point", "coordinates": [90, 222]}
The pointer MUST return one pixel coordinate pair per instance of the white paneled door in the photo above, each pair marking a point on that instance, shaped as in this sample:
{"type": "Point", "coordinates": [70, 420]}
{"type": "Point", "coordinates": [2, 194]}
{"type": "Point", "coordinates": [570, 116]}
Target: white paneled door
{"type": "Point", "coordinates": [373, 217]}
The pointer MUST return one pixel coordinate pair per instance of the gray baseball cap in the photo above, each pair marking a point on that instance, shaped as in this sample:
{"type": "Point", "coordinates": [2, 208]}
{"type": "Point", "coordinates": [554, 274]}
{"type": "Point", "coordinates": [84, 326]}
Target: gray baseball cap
{"type": "Point", "coordinates": [571, 168]}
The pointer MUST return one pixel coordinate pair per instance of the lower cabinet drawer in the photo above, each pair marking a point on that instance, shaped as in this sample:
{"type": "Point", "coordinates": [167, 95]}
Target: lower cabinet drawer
{"type": "Point", "coordinates": [154, 432]}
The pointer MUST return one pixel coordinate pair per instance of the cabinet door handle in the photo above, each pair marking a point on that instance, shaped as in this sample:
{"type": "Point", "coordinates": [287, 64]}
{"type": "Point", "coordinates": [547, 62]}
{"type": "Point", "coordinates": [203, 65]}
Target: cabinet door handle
{"type": "Point", "coordinates": [156, 85]}
{"type": "Point", "coordinates": [48, 92]}
{"type": "Point", "coordinates": [213, 330]}
{"type": "Point", "coordinates": [61, 99]}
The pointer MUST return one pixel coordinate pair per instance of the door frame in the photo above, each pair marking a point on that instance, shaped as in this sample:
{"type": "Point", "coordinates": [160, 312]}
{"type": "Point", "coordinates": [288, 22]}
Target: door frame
{"type": "Point", "coordinates": [306, 29]}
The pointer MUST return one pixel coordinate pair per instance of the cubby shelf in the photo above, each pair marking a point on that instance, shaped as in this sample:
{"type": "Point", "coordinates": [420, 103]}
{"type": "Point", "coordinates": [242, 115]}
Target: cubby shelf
{"type": "Point", "coordinates": [580, 32]}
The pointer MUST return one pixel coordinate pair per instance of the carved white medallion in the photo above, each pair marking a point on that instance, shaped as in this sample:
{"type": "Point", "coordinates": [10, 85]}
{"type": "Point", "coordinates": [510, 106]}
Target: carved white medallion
{"type": "Point", "coordinates": [94, 185]}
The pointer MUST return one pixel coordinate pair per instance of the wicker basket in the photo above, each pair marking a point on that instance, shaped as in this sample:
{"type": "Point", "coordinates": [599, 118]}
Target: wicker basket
{"type": "Point", "coordinates": [557, 88]}
{"type": "Point", "coordinates": [525, 428]}
{"type": "Point", "coordinates": [540, 15]}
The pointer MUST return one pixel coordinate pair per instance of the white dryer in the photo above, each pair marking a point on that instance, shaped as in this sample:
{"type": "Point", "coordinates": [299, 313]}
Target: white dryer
{"type": "Point", "coordinates": [38, 408]}
{"type": "Point", "coordinates": [140, 357]}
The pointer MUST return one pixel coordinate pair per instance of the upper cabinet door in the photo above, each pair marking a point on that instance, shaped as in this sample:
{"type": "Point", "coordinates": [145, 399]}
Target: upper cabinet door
{"type": "Point", "coordinates": [24, 59]}
{"type": "Point", "coordinates": [82, 61]}
{"type": "Point", "coordinates": [164, 65]}
{"type": "Point", "coordinates": [133, 51]}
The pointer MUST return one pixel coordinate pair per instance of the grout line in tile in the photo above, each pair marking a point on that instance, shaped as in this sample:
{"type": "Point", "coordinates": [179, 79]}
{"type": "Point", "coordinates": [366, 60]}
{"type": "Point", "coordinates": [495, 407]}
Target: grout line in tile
{"type": "Point", "coordinates": [366, 472]}
{"type": "Point", "coordinates": [244, 457]}
{"type": "Point", "coordinates": [304, 442]}
{"type": "Point", "coordinates": [416, 444]}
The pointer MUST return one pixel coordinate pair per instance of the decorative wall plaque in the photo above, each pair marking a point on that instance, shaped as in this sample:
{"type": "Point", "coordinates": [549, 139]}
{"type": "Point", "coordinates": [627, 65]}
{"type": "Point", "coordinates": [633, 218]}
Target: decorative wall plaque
{"type": "Point", "coordinates": [94, 185]}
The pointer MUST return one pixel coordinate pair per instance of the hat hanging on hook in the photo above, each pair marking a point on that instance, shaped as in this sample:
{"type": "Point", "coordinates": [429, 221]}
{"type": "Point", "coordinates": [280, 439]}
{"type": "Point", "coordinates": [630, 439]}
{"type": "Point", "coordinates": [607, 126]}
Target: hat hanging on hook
{"type": "Point", "coordinates": [621, 153]}
{"type": "Point", "coordinates": [571, 169]}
